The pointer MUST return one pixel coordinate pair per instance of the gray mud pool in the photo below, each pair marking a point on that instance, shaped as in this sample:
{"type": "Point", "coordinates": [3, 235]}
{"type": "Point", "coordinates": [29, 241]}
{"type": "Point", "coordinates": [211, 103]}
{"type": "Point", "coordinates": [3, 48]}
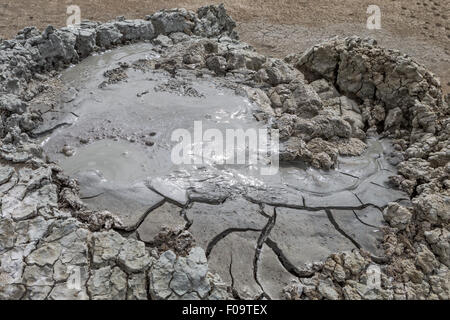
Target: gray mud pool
{"type": "Point", "coordinates": [112, 132]}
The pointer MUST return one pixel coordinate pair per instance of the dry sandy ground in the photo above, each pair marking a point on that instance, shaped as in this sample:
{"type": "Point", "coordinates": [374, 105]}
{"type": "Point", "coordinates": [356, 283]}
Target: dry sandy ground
{"type": "Point", "coordinates": [420, 28]}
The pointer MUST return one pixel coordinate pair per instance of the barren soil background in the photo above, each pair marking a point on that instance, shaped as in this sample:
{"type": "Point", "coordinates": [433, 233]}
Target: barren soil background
{"type": "Point", "coordinates": [420, 28]}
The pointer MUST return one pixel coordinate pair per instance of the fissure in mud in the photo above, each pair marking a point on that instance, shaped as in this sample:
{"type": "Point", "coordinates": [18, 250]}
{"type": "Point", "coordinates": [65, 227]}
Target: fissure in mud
{"type": "Point", "coordinates": [90, 188]}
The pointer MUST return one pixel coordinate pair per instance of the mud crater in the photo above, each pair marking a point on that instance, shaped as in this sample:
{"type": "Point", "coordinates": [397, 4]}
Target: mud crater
{"type": "Point", "coordinates": [112, 132]}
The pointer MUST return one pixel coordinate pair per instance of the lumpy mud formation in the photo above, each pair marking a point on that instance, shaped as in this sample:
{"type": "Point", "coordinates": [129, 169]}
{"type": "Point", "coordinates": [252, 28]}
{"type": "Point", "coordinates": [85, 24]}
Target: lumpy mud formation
{"type": "Point", "coordinates": [89, 189]}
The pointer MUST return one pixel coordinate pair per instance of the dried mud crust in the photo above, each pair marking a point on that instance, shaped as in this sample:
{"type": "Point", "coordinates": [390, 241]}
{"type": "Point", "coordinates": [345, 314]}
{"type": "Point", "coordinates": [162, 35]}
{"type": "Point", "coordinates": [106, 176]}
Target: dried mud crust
{"type": "Point", "coordinates": [278, 28]}
{"type": "Point", "coordinates": [325, 101]}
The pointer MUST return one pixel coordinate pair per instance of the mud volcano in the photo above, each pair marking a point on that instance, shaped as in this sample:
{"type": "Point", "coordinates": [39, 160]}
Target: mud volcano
{"type": "Point", "coordinates": [89, 189]}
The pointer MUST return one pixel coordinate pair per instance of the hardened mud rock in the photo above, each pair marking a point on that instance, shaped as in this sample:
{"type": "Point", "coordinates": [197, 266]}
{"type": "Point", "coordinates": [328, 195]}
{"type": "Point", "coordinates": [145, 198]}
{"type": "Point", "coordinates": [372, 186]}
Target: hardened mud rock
{"type": "Point", "coordinates": [326, 102]}
{"type": "Point", "coordinates": [404, 101]}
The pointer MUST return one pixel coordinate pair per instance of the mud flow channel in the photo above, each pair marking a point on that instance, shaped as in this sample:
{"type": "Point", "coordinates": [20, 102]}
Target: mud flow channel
{"type": "Point", "coordinates": [113, 134]}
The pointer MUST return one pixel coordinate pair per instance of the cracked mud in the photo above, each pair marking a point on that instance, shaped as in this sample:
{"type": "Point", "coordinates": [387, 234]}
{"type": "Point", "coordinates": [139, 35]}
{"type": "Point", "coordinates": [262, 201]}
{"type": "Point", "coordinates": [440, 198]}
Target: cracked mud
{"type": "Point", "coordinates": [114, 165]}
{"type": "Point", "coordinates": [87, 180]}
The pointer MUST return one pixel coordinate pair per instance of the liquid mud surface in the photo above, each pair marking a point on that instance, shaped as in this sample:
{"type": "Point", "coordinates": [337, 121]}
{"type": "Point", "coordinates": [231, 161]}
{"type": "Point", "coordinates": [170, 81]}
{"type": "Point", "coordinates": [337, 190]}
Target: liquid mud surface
{"type": "Point", "coordinates": [113, 134]}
